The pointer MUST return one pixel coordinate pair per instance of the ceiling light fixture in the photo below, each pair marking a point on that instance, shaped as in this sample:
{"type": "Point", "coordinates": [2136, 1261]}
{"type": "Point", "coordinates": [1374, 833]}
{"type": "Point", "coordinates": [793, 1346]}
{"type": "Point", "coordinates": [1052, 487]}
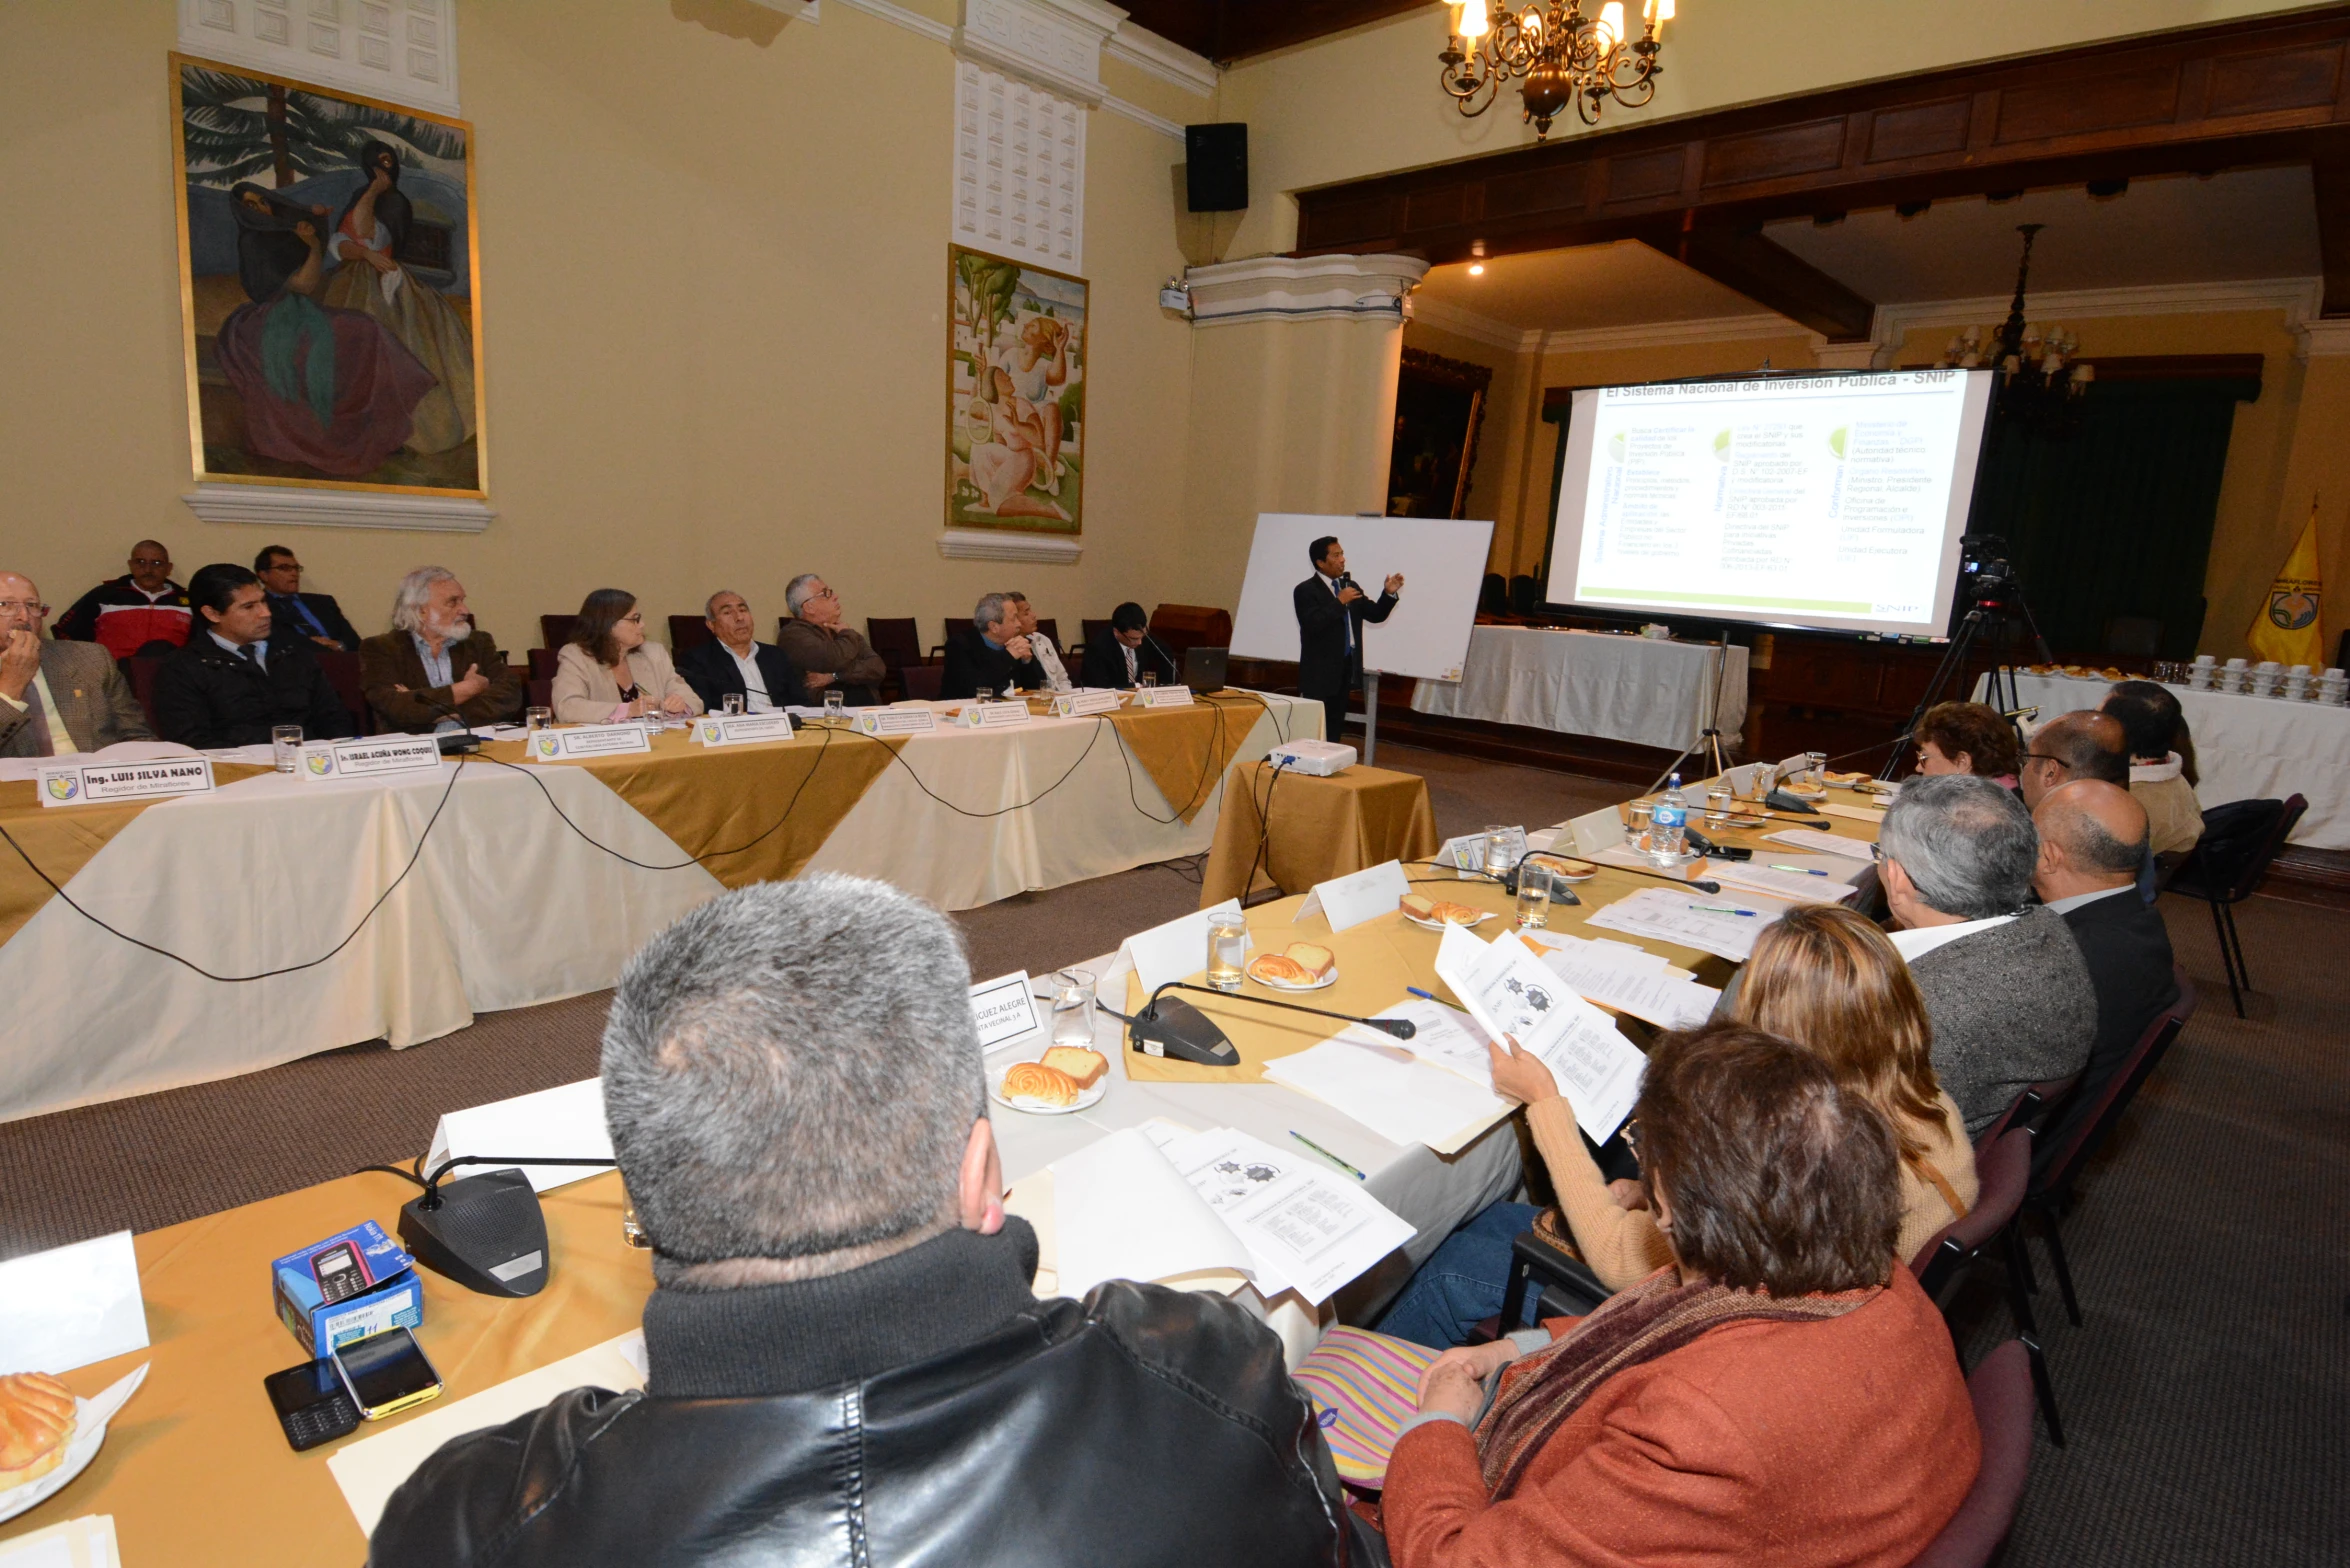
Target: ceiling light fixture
{"type": "Point", "coordinates": [2040, 385]}
{"type": "Point", "coordinates": [1562, 55]}
{"type": "Point", "coordinates": [1476, 269]}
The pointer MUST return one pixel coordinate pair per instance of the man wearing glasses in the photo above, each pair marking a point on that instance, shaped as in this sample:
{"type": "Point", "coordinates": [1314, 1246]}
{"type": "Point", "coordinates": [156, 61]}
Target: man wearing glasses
{"type": "Point", "coordinates": [144, 612]}
{"type": "Point", "coordinates": [826, 653]}
{"type": "Point", "coordinates": [56, 697]}
{"type": "Point", "coordinates": [2084, 744]}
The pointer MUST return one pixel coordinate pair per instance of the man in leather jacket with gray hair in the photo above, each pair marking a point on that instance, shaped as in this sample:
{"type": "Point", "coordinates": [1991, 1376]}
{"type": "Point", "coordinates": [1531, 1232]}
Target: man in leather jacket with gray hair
{"type": "Point", "coordinates": [847, 1363]}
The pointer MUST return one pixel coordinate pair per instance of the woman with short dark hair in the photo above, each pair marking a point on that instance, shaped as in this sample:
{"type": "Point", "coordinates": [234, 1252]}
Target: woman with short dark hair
{"type": "Point", "coordinates": [607, 671]}
{"type": "Point", "coordinates": [1968, 737]}
{"type": "Point", "coordinates": [1781, 1392]}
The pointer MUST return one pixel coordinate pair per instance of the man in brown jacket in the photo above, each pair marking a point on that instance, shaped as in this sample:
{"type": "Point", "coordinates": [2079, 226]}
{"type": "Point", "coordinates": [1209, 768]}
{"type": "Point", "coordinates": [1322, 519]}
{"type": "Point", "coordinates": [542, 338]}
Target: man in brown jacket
{"type": "Point", "coordinates": [435, 669]}
{"type": "Point", "coordinates": [57, 697]}
{"type": "Point", "coordinates": [825, 652]}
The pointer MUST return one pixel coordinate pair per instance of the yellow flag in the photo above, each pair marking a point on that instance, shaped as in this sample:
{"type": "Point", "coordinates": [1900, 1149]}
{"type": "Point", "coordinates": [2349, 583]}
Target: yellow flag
{"type": "Point", "coordinates": [2286, 629]}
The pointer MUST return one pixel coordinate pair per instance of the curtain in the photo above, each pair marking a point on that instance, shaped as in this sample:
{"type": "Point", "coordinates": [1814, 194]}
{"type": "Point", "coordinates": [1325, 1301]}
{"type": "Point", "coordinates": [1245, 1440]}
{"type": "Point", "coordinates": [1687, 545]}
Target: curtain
{"type": "Point", "coordinates": [2117, 519]}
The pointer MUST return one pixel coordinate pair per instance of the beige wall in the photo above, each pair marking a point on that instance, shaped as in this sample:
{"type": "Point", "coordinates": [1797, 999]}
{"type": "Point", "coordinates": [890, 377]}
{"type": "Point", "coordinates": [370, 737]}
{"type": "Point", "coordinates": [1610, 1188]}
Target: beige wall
{"type": "Point", "coordinates": [1367, 101]}
{"type": "Point", "coordinates": [1499, 472]}
{"type": "Point", "coordinates": [714, 273]}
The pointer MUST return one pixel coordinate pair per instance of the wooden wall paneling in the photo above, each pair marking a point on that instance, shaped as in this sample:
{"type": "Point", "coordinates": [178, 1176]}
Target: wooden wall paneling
{"type": "Point", "coordinates": [2329, 171]}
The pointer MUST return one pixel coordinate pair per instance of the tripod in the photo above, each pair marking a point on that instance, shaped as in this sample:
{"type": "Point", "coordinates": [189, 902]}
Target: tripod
{"type": "Point", "coordinates": [1709, 738]}
{"type": "Point", "coordinates": [2000, 610]}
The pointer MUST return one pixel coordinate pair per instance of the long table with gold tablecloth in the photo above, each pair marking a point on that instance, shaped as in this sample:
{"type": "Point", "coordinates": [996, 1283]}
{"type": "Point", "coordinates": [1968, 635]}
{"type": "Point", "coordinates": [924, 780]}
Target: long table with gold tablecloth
{"type": "Point", "coordinates": [195, 1471]}
{"type": "Point", "coordinates": [536, 881]}
{"type": "Point", "coordinates": [1318, 828]}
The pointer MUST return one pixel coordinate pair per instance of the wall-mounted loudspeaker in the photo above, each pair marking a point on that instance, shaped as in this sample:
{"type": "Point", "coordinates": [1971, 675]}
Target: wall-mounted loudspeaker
{"type": "Point", "coordinates": [1216, 167]}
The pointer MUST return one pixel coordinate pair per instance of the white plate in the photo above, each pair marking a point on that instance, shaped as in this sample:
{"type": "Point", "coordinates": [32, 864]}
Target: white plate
{"type": "Point", "coordinates": [1327, 980]}
{"type": "Point", "coordinates": [1085, 1097]}
{"type": "Point", "coordinates": [89, 1435]}
{"type": "Point", "coordinates": [1483, 915]}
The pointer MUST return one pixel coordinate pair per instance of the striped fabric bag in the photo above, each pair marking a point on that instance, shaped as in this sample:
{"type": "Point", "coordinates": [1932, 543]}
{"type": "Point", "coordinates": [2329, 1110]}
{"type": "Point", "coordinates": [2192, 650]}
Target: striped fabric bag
{"type": "Point", "coordinates": [1365, 1386]}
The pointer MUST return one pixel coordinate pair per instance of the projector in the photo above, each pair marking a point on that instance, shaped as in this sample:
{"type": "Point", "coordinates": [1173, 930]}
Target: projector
{"type": "Point", "coordinates": [1317, 759]}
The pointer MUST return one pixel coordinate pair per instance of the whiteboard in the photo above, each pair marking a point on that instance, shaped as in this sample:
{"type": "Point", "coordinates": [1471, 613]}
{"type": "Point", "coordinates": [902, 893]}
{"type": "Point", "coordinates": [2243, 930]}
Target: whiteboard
{"type": "Point", "coordinates": [1443, 563]}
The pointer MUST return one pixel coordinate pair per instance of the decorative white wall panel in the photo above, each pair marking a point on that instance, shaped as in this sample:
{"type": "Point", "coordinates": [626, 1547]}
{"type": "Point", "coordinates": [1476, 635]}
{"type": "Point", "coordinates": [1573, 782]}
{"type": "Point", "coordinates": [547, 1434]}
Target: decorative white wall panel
{"type": "Point", "coordinates": [403, 51]}
{"type": "Point", "coordinates": [1019, 170]}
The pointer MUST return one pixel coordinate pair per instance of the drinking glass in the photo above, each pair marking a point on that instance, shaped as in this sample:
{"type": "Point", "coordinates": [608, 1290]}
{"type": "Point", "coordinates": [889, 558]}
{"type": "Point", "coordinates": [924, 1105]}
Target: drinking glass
{"type": "Point", "coordinates": [1717, 803]}
{"type": "Point", "coordinates": [1227, 951]}
{"type": "Point", "coordinates": [537, 718]}
{"type": "Point", "coordinates": [1641, 811]}
{"type": "Point", "coordinates": [1073, 1008]}
{"type": "Point", "coordinates": [632, 1230]}
{"type": "Point", "coordinates": [731, 703]}
{"type": "Point", "coordinates": [836, 703]}
{"type": "Point", "coordinates": [1533, 898]}
{"type": "Point", "coordinates": [1149, 680]}
{"type": "Point", "coordinates": [1497, 850]}
{"type": "Point", "coordinates": [285, 746]}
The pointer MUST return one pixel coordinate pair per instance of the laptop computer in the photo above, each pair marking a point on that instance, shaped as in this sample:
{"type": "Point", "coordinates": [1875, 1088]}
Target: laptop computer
{"type": "Point", "coordinates": [1203, 668]}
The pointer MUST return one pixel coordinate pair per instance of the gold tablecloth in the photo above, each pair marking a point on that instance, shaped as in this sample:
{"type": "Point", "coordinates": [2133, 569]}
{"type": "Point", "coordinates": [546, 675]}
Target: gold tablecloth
{"type": "Point", "coordinates": [61, 840]}
{"type": "Point", "coordinates": [1322, 828]}
{"type": "Point", "coordinates": [1186, 750]}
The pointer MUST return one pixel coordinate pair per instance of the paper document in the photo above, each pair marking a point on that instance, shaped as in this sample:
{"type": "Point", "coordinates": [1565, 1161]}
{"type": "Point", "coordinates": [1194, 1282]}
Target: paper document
{"type": "Point", "coordinates": [1706, 921]}
{"type": "Point", "coordinates": [1824, 843]}
{"type": "Point", "coordinates": [1799, 887]}
{"type": "Point", "coordinates": [1853, 813]}
{"type": "Point", "coordinates": [71, 1305]}
{"type": "Point", "coordinates": [87, 1542]}
{"type": "Point", "coordinates": [1669, 1001]}
{"type": "Point", "coordinates": [1121, 1210]}
{"type": "Point", "coordinates": [1508, 990]}
{"type": "Point", "coordinates": [1309, 1228]}
{"type": "Point", "coordinates": [1397, 1095]}
{"type": "Point", "coordinates": [1442, 1037]}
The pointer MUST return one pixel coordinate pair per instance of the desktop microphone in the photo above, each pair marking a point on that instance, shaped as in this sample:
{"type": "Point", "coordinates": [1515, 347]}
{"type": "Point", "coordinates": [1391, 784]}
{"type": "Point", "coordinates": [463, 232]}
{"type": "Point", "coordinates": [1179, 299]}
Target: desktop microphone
{"type": "Point", "coordinates": [485, 1232]}
{"type": "Point", "coordinates": [452, 743]}
{"type": "Point", "coordinates": [1174, 665]}
{"type": "Point", "coordinates": [1171, 1027]}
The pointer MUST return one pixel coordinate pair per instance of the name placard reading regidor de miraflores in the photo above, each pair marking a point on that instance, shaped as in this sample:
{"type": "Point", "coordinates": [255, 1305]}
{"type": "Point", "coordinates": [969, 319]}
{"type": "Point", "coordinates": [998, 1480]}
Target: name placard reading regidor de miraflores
{"type": "Point", "coordinates": [103, 783]}
{"type": "Point", "coordinates": [736, 729]}
{"type": "Point", "coordinates": [585, 740]}
{"type": "Point", "coordinates": [370, 757]}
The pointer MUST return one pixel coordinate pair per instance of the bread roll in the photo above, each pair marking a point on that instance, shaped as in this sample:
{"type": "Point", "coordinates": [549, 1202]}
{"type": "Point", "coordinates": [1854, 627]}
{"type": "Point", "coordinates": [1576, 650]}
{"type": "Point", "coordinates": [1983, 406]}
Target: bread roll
{"type": "Point", "coordinates": [1084, 1067]}
{"type": "Point", "coordinates": [1035, 1081]}
{"type": "Point", "coordinates": [37, 1418]}
{"type": "Point", "coordinates": [1280, 969]}
{"type": "Point", "coordinates": [1317, 961]}
{"type": "Point", "coordinates": [1456, 914]}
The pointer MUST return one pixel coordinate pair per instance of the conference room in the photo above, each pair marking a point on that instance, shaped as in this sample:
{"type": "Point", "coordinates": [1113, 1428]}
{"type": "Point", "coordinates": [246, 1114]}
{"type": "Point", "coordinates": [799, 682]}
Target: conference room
{"type": "Point", "coordinates": [1580, 888]}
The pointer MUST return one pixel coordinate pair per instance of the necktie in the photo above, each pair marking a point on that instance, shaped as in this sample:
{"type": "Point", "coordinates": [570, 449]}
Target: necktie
{"type": "Point", "coordinates": [251, 653]}
{"type": "Point", "coordinates": [310, 622]}
{"type": "Point", "coordinates": [1346, 616]}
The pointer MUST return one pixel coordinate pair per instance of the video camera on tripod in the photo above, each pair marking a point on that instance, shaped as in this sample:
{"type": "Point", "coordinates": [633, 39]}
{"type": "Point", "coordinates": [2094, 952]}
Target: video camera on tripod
{"type": "Point", "coordinates": [1991, 596]}
{"type": "Point", "coordinates": [1986, 577]}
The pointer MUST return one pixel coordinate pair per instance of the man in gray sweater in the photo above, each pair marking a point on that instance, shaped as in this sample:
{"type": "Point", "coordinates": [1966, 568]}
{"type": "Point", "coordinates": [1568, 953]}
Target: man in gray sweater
{"type": "Point", "coordinates": [2006, 989]}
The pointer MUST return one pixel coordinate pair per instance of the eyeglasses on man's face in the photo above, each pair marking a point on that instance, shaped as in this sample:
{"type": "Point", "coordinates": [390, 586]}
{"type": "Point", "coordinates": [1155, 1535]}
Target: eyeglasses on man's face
{"type": "Point", "coordinates": [2041, 756]}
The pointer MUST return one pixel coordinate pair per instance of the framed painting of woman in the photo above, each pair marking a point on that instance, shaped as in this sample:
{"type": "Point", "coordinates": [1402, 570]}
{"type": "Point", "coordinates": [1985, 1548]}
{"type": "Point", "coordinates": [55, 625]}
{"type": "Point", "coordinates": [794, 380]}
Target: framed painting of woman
{"type": "Point", "coordinates": [328, 285]}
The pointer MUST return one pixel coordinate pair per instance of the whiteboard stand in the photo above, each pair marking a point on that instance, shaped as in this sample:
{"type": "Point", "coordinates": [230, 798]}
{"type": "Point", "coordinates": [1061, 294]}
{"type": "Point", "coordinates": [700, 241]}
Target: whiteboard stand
{"type": "Point", "coordinates": [1370, 718]}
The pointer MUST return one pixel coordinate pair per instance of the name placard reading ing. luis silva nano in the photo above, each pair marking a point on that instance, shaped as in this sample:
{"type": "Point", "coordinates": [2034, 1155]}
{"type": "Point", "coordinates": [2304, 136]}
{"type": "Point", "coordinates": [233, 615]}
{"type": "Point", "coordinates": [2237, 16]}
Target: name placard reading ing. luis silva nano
{"type": "Point", "coordinates": [100, 783]}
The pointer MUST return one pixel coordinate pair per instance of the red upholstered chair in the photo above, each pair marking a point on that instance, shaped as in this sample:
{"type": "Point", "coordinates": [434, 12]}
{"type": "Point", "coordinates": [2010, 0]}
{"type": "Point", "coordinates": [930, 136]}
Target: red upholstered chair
{"type": "Point", "coordinates": [555, 630]}
{"type": "Point", "coordinates": [542, 690]}
{"type": "Point", "coordinates": [542, 664]}
{"type": "Point", "coordinates": [2004, 1171]}
{"type": "Point", "coordinates": [1051, 627]}
{"type": "Point", "coordinates": [2001, 1391]}
{"type": "Point", "coordinates": [2027, 1108]}
{"type": "Point", "coordinates": [687, 631]}
{"type": "Point", "coordinates": [923, 681]}
{"type": "Point", "coordinates": [140, 672]}
{"type": "Point", "coordinates": [899, 642]}
{"type": "Point", "coordinates": [342, 671]}
{"type": "Point", "coordinates": [1093, 630]}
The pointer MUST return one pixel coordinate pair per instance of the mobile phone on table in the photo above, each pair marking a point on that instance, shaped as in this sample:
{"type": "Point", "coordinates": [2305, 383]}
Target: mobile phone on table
{"type": "Point", "coordinates": [311, 1403]}
{"type": "Point", "coordinates": [386, 1373]}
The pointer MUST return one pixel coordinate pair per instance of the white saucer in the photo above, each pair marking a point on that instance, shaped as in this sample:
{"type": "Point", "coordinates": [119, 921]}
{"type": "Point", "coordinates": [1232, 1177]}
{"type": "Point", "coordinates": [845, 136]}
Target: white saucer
{"type": "Point", "coordinates": [1438, 925]}
{"type": "Point", "coordinates": [1326, 981]}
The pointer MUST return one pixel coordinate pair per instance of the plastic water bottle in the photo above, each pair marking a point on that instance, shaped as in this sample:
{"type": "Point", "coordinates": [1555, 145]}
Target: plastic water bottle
{"type": "Point", "coordinates": [1668, 825]}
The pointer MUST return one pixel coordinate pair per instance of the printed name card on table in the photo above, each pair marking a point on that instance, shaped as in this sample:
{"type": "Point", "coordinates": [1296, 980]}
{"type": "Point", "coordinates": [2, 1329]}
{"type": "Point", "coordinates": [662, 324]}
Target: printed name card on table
{"type": "Point", "coordinates": [738, 729]}
{"type": "Point", "coordinates": [566, 1121]}
{"type": "Point", "coordinates": [896, 721]}
{"type": "Point", "coordinates": [1176, 949]}
{"type": "Point", "coordinates": [1076, 704]}
{"type": "Point", "coordinates": [1162, 696]}
{"type": "Point", "coordinates": [1467, 852]}
{"type": "Point", "coordinates": [1004, 1009]}
{"type": "Point", "coordinates": [993, 715]}
{"type": "Point", "coordinates": [102, 783]}
{"type": "Point", "coordinates": [370, 757]}
{"type": "Point", "coordinates": [586, 740]}
{"type": "Point", "coordinates": [70, 1306]}
{"type": "Point", "coordinates": [1364, 895]}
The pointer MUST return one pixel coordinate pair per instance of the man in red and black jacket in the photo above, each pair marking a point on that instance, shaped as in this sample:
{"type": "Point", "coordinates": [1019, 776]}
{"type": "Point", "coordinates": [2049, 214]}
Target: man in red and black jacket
{"type": "Point", "coordinates": [134, 613]}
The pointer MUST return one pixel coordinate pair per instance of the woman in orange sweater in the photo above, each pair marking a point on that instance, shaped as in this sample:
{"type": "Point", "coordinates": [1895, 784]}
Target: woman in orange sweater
{"type": "Point", "coordinates": [1782, 1391]}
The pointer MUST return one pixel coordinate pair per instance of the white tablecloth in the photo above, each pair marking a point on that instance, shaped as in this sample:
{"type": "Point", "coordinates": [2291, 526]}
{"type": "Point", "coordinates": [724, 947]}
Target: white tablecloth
{"type": "Point", "coordinates": [507, 906]}
{"type": "Point", "coordinates": [2246, 748]}
{"type": "Point", "coordinates": [1635, 689]}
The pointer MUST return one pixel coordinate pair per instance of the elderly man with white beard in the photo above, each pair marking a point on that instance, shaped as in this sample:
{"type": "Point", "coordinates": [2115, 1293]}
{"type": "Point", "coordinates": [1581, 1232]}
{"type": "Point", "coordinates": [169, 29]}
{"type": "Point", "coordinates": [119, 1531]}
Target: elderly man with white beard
{"type": "Point", "coordinates": [435, 670]}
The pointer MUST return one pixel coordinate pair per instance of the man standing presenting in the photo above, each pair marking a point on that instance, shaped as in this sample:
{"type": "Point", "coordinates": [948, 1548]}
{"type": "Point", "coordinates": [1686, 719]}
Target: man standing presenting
{"type": "Point", "coordinates": [738, 664]}
{"type": "Point", "coordinates": [1331, 612]}
{"type": "Point", "coordinates": [315, 615]}
{"type": "Point", "coordinates": [825, 652]}
{"type": "Point", "coordinates": [143, 612]}
{"type": "Point", "coordinates": [436, 670]}
{"type": "Point", "coordinates": [56, 697]}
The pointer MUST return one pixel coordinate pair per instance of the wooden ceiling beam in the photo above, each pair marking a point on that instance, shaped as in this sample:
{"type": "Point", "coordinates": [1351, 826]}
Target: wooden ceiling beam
{"type": "Point", "coordinates": [1773, 277]}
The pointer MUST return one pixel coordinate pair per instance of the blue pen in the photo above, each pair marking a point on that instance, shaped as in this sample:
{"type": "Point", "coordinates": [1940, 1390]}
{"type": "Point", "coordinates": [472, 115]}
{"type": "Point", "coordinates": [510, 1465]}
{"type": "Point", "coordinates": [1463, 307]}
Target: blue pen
{"type": "Point", "coordinates": [1416, 991]}
{"type": "Point", "coordinates": [1800, 870]}
{"type": "Point", "coordinates": [1720, 909]}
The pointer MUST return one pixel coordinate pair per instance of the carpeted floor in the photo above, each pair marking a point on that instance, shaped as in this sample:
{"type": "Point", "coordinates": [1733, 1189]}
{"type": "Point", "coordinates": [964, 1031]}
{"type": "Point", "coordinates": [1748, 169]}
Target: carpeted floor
{"type": "Point", "coordinates": [2203, 1395]}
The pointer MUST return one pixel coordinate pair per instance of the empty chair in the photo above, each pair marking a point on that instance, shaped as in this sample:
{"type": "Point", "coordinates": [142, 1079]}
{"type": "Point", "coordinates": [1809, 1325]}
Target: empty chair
{"type": "Point", "coordinates": [342, 673]}
{"type": "Point", "coordinates": [555, 630]}
{"type": "Point", "coordinates": [542, 688]}
{"type": "Point", "coordinates": [922, 681]}
{"type": "Point", "coordinates": [542, 664]}
{"type": "Point", "coordinates": [2004, 1170]}
{"type": "Point", "coordinates": [687, 631]}
{"type": "Point", "coordinates": [2133, 636]}
{"type": "Point", "coordinates": [139, 670]}
{"type": "Point", "coordinates": [896, 638]}
{"type": "Point", "coordinates": [1525, 595]}
{"type": "Point", "coordinates": [2240, 842]}
{"type": "Point", "coordinates": [1051, 626]}
{"type": "Point", "coordinates": [1493, 596]}
{"type": "Point", "coordinates": [2002, 1396]}
{"type": "Point", "coordinates": [1093, 631]}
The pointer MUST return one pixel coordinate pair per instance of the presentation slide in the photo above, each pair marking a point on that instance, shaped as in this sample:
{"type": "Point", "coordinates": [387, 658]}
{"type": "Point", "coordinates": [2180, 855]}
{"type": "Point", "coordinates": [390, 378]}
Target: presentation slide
{"type": "Point", "coordinates": [1832, 501]}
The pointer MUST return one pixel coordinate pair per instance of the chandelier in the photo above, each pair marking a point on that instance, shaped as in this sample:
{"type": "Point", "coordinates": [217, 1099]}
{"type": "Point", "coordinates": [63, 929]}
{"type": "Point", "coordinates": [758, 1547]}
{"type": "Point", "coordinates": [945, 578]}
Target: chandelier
{"type": "Point", "coordinates": [2041, 386]}
{"type": "Point", "coordinates": [1560, 54]}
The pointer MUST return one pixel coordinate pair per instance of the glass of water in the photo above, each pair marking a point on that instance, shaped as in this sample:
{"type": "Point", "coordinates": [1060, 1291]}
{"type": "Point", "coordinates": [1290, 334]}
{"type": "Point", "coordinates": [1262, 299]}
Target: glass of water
{"type": "Point", "coordinates": [1073, 1008]}
{"type": "Point", "coordinates": [1149, 679]}
{"type": "Point", "coordinates": [1533, 898]}
{"type": "Point", "coordinates": [285, 746]}
{"type": "Point", "coordinates": [537, 718]}
{"type": "Point", "coordinates": [731, 703]}
{"type": "Point", "coordinates": [835, 704]}
{"type": "Point", "coordinates": [1227, 951]}
{"type": "Point", "coordinates": [1640, 811]}
{"type": "Point", "coordinates": [1498, 848]}
{"type": "Point", "coordinates": [1717, 802]}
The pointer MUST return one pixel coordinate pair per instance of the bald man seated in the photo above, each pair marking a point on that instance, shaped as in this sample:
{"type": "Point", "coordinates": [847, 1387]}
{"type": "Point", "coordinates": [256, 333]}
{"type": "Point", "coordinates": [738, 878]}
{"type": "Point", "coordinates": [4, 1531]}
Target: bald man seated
{"type": "Point", "coordinates": [2083, 744]}
{"type": "Point", "coordinates": [2092, 841]}
{"type": "Point", "coordinates": [57, 697]}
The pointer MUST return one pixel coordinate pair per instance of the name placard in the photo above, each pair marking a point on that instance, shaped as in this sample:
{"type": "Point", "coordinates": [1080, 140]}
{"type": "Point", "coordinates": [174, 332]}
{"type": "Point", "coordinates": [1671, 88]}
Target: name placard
{"type": "Point", "coordinates": [992, 715]}
{"type": "Point", "coordinates": [1162, 696]}
{"type": "Point", "coordinates": [896, 721]}
{"type": "Point", "coordinates": [1351, 900]}
{"type": "Point", "coordinates": [1074, 704]}
{"type": "Point", "coordinates": [586, 740]}
{"type": "Point", "coordinates": [1004, 1009]}
{"type": "Point", "coordinates": [369, 757]}
{"type": "Point", "coordinates": [99, 783]}
{"type": "Point", "coordinates": [736, 729]}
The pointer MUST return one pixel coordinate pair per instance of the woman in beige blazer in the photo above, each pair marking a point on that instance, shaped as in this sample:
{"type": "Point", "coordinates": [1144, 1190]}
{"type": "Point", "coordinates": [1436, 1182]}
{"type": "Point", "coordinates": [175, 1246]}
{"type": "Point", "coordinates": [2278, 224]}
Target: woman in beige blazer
{"type": "Point", "coordinates": [608, 672]}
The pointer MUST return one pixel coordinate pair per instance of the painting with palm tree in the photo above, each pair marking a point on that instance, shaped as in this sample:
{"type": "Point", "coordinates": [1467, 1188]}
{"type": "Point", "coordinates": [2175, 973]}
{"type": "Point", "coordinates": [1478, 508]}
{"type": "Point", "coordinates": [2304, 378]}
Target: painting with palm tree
{"type": "Point", "coordinates": [328, 276]}
{"type": "Point", "coordinates": [1015, 395]}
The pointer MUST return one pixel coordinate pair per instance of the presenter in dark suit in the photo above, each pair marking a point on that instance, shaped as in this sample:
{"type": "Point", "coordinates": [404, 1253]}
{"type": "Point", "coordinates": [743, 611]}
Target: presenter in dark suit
{"type": "Point", "coordinates": [2092, 838]}
{"type": "Point", "coordinates": [1331, 612]}
{"type": "Point", "coordinates": [1120, 659]}
{"type": "Point", "coordinates": [312, 615]}
{"type": "Point", "coordinates": [997, 655]}
{"type": "Point", "coordinates": [735, 663]}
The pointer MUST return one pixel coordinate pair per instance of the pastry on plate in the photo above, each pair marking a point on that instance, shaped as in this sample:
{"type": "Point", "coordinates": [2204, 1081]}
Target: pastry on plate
{"type": "Point", "coordinates": [1279, 969]}
{"type": "Point", "coordinates": [37, 1418]}
{"type": "Point", "coordinates": [1084, 1067]}
{"type": "Point", "coordinates": [1037, 1082]}
{"type": "Point", "coordinates": [1421, 907]}
{"type": "Point", "coordinates": [1316, 960]}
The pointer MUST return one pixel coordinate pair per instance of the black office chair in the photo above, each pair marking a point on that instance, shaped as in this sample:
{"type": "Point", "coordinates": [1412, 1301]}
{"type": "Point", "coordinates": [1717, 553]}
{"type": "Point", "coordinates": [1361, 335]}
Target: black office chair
{"type": "Point", "coordinates": [2133, 636]}
{"type": "Point", "coordinates": [2241, 840]}
{"type": "Point", "coordinates": [1493, 598]}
